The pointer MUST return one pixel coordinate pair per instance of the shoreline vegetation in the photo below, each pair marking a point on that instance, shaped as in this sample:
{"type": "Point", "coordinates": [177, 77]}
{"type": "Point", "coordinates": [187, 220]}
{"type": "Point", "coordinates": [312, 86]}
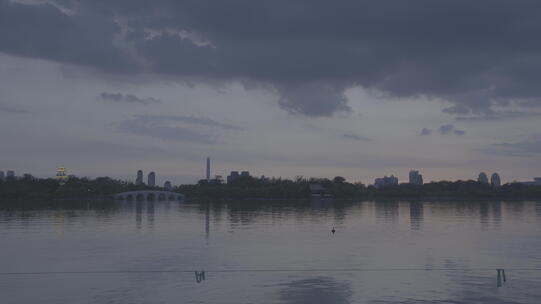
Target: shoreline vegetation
{"type": "Point", "coordinates": [30, 188]}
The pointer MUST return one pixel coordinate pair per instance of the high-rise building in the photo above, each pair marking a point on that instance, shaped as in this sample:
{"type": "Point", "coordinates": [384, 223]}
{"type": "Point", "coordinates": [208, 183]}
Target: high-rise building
{"type": "Point", "coordinates": [10, 174]}
{"type": "Point", "coordinates": [483, 178]}
{"type": "Point", "coordinates": [167, 186]}
{"type": "Point", "coordinates": [61, 174]}
{"type": "Point", "coordinates": [415, 178]}
{"type": "Point", "coordinates": [2, 175]}
{"type": "Point", "coordinates": [386, 181]}
{"type": "Point", "coordinates": [139, 180]}
{"type": "Point", "coordinates": [495, 180]}
{"type": "Point", "coordinates": [245, 173]}
{"type": "Point", "coordinates": [151, 179]}
{"type": "Point", "coordinates": [232, 176]}
{"type": "Point", "coordinates": [208, 169]}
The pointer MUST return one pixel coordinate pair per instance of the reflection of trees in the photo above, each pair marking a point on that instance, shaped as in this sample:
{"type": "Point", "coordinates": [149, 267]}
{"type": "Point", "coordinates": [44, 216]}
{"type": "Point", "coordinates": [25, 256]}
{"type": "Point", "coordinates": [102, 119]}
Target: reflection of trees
{"type": "Point", "coordinates": [388, 210]}
{"type": "Point", "coordinates": [318, 290]}
{"type": "Point", "coordinates": [538, 211]}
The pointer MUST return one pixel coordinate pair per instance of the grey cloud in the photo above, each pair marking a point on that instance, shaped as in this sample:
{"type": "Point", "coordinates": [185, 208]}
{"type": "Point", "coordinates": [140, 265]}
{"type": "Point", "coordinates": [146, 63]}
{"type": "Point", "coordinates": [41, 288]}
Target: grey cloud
{"type": "Point", "coordinates": [163, 127]}
{"type": "Point", "coordinates": [310, 51]}
{"type": "Point", "coordinates": [357, 137]}
{"type": "Point", "coordinates": [127, 98]}
{"type": "Point", "coordinates": [12, 110]}
{"type": "Point", "coordinates": [449, 128]}
{"type": "Point", "coordinates": [521, 148]}
{"type": "Point", "coordinates": [499, 115]}
{"type": "Point", "coordinates": [196, 120]}
{"type": "Point", "coordinates": [313, 99]}
{"type": "Point", "coordinates": [445, 129]}
{"type": "Point", "coordinates": [426, 131]}
{"type": "Point", "coordinates": [457, 109]}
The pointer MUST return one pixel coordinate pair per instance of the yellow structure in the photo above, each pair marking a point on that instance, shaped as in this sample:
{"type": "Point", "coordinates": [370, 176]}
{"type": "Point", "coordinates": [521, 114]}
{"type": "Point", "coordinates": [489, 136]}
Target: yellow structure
{"type": "Point", "coordinates": [61, 174]}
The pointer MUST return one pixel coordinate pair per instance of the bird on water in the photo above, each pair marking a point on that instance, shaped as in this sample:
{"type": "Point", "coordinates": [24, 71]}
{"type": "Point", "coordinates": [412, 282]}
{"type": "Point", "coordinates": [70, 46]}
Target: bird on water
{"type": "Point", "coordinates": [333, 231]}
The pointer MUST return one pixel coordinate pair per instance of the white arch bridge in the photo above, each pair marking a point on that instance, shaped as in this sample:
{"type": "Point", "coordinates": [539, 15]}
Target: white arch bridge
{"type": "Point", "coordinates": [149, 195]}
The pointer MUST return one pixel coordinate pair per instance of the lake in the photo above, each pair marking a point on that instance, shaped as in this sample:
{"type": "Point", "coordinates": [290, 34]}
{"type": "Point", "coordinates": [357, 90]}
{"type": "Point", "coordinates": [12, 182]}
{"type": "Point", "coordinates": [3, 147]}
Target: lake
{"type": "Point", "coordinates": [270, 252]}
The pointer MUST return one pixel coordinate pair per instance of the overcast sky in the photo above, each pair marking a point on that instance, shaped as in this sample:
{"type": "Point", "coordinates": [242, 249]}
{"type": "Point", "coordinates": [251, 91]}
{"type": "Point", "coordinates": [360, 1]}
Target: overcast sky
{"type": "Point", "coordinates": [359, 89]}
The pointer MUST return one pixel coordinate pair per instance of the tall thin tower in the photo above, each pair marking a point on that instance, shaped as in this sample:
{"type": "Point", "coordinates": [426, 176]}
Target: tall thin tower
{"type": "Point", "coordinates": [208, 169]}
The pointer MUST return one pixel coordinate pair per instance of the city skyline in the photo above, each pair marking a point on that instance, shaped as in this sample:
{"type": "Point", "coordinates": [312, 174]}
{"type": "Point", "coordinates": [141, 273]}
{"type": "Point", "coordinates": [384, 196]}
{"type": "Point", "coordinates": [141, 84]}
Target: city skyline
{"type": "Point", "coordinates": [369, 103]}
{"type": "Point", "coordinates": [414, 177]}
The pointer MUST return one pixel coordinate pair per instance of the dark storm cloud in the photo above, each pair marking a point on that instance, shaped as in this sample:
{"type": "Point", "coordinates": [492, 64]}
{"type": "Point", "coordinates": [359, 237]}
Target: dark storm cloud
{"type": "Point", "coordinates": [357, 137]}
{"type": "Point", "coordinates": [472, 53]}
{"type": "Point", "coordinates": [190, 129]}
{"type": "Point", "coordinates": [43, 31]}
{"type": "Point", "coordinates": [127, 98]}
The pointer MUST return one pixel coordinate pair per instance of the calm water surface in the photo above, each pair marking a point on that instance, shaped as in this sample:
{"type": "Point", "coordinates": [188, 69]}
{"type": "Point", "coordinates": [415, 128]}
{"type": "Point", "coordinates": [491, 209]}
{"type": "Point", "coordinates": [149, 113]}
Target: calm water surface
{"type": "Point", "coordinates": [474, 237]}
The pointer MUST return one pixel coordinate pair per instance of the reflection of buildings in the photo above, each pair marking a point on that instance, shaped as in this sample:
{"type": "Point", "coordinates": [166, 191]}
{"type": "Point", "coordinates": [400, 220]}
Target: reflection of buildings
{"type": "Point", "coordinates": [416, 215]}
{"type": "Point", "coordinates": [386, 181]}
{"type": "Point", "coordinates": [496, 213]}
{"type": "Point", "coordinates": [207, 221]}
{"type": "Point", "coordinates": [138, 214]}
{"type": "Point", "coordinates": [140, 208]}
{"type": "Point", "coordinates": [150, 214]}
{"type": "Point", "coordinates": [484, 213]}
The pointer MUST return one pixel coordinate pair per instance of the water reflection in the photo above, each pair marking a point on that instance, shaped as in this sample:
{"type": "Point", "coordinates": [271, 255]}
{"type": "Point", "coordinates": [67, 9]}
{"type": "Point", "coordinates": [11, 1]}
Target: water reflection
{"type": "Point", "coordinates": [150, 214]}
{"type": "Point", "coordinates": [416, 215]}
{"type": "Point", "coordinates": [138, 214]}
{"type": "Point", "coordinates": [275, 235]}
{"type": "Point", "coordinates": [317, 290]}
{"type": "Point", "coordinates": [387, 210]}
{"type": "Point", "coordinates": [484, 214]}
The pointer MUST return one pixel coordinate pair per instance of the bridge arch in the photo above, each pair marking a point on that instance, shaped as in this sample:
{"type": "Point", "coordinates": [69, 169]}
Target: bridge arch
{"type": "Point", "coordinates": [149, 195]}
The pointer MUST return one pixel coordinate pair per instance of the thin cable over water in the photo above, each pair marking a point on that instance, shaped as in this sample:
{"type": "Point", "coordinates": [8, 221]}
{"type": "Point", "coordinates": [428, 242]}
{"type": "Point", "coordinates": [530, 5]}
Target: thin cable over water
{"type": "Point", "coordinates": [261, 270]}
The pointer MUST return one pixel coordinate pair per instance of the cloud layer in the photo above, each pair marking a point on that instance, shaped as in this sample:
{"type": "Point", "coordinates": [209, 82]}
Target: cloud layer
{"type": "Point", "coordinates": [175, 128]}
{"type": "Point", "coordinates": [474, 54]}
{"type": "Point", "coordinates": [127, 98]}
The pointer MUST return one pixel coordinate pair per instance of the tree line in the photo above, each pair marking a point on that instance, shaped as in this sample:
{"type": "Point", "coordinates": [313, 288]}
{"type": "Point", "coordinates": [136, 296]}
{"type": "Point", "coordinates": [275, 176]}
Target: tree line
{"type": "Point", "coordinates": [264, 188]}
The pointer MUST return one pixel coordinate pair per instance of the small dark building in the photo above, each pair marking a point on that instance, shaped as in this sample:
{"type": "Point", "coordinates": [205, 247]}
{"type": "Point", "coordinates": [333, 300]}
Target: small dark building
{"type": "Point", "coordinates": [317, 190]}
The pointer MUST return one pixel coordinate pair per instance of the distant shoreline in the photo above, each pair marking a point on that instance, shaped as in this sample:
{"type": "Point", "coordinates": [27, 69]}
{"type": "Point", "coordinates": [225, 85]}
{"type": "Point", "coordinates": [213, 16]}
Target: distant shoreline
{"type": "Point", "coordinates": [249, 188]}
